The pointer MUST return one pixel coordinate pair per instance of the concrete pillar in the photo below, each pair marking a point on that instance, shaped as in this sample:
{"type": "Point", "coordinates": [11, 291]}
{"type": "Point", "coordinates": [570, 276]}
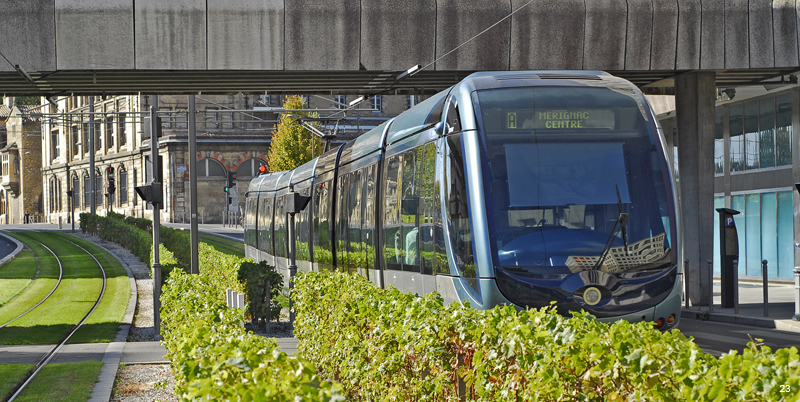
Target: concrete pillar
{"type": "Point", "coordinates": [796, 172]}
{"type": "Point", "coordinates": [695, 94]}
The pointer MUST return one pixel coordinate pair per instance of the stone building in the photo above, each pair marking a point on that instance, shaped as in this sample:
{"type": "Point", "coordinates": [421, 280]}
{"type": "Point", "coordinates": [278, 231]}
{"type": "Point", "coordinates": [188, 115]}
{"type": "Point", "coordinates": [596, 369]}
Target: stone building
{"type": "Point", "coordinates": [233, 135]}
{"type": "Point", "coordinates": [20, 165]}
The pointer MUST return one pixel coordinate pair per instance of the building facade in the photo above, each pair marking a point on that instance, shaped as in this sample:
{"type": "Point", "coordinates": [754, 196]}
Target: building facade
{"type": "Point", "coordinates": [233, 135]}
{"type": "Point", "coordinates": [755, 152]}
{"type": "Point", "coordinates": [20, 165]}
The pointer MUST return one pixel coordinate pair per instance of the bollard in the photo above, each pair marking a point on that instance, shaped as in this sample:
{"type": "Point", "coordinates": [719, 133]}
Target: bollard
{"type": "Point", "coordinates": [711, 286]}
{"type": "Point", "coordinates": [234, 299]}
{"type": "Point", "coordinates": [229, 297]}
{"type": "Point", "coordinates": [766, 287]}
{"type": "Point", "coordinates": [736, 287]}
{"type": "Point", "coordinates": [240, 302]}
{"type": "Point", "coordinates": [685, 283]}
{"type": "Point", "coordinates": [796, 316]}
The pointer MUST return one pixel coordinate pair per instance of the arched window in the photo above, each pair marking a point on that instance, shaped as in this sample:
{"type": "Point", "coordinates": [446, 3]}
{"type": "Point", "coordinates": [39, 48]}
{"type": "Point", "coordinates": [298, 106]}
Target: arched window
{"type": "Point", "coordinates": [86, 194]}
{"type": "Point", "coordinates": [122, 185]}
{"type": "Point", "coordinates": [76, 190]}
{"type": "Point", "coordinates": [249, 167]}
{"type": "Point", "coordinates": [98, 188]}
{"type": "Point", "coordinates": [55, 195]}
{"type": "Point", "coordinates": [210, 168]}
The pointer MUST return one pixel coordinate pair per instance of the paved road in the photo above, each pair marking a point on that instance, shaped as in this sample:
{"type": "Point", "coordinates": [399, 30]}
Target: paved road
{"type": "Point", "coordinates": [6, 246]}
{"type": "Point", "coordinates": [717, 338]}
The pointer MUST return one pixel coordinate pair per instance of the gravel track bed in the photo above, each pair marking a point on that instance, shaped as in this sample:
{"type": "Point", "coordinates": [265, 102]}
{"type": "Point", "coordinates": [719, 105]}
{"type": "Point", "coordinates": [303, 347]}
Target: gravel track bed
{"type": "Point", "coordinates": [139, 382]}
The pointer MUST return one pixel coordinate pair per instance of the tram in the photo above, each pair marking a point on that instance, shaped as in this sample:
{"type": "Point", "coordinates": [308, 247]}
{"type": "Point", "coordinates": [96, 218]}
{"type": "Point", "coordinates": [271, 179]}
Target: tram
{"type": "Point", "coordinates": [520, 188]}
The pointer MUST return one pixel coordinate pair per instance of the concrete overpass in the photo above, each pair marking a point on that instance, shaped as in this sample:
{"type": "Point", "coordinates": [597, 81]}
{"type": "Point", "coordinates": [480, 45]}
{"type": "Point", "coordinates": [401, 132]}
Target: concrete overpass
{"type": "Point", "coordinates": [356, 46]}
{"type": "Point", "coordinates": [686, 47]}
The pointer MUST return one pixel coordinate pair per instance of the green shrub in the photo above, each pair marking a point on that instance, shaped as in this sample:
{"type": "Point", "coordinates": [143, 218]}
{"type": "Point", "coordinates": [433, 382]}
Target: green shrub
{"type": "Point", "coordinates": [179, 242]}
{"type": "Point", "coordinates": [212, 355]}
{"type": "Point", "coordinates": [383, 344]}
{"type": "Point", "coordinates": [255, 277]}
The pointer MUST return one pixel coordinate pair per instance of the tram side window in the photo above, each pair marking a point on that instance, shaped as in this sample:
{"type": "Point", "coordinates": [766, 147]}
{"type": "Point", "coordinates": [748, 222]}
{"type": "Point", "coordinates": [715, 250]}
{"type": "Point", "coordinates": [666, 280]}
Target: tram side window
{"type": "Point", "coordinates": [265, 223]}
{"type": "Point", "coordinates": [392, 234]}
{"type": "Point", "coordinates": [342, 190]}
{"type": "Point", "coordinates": [354, 247]}
{"type": "Point", "coordinates": [409, 211]}
{"type": "Point", "coordinates": [368, 229]}
{"type": "Point", "coordinates": [322, 239]}
{"type": "Point", "coordinates": [427, 155]}
{"type": "Point", "coordinates": [280, 227]}
{"type": "Point", "coordinates": [440, 253]}
{"type": "Point", "coordinates": [458, 210]}
{"type": "Point", "coordinates": [250, 222]}
{"type": "Point", "coordinates": [301, 230]}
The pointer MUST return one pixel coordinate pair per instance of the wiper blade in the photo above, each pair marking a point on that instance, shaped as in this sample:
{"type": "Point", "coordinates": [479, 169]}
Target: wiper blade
{"type": "Point", "coordinates": [620, 223]}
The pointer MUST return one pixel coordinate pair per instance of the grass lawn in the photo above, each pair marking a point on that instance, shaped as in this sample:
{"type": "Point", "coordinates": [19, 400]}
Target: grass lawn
{"type": "Point", "coordinates": [79, 289]}
{"type": "Point", "coordinates": [64, 382]}
{"type": "Point", "coordinates": [103, 324]}
{"type": "Point", "coordinates": [223, 245]}
{"type": "Point", "coordinates": [16, 275]}
{"type": "Point", "coordinates": [11, 374]}
{"type": "Point", "coordinates": [48, 276]}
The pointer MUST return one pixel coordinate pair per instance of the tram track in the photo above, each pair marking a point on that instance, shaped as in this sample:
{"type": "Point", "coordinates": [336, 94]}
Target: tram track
{"type": "Point", "coordinates": [48, 357]}
{"type": "Point", "coordinates": [58, 283]}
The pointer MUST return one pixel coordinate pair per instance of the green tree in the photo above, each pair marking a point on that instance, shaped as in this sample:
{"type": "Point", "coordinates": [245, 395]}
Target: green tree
{"type": "Point", "coordinates": [26, 100]}
{"type": "Point", "coordinates": [291, 142]}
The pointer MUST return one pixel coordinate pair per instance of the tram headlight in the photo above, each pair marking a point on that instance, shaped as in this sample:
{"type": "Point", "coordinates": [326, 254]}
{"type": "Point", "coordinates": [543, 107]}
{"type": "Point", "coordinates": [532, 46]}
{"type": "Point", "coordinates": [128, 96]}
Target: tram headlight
{"type": "Point", "coordinates": [592, 296]}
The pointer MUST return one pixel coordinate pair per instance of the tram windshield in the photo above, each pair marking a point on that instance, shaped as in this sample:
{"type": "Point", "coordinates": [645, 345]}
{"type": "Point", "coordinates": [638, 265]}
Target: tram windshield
{"type": "Point", "coordinates": [576, 181]}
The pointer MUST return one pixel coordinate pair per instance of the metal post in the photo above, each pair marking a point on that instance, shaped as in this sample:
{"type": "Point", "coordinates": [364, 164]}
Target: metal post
{"type": "Point", "coordinates": [711, 286]}
{"type": "Point", "coordinates": [766, 287]}
{"type": "Point", "coordinates": [685, 284]}
{"type": "Point", "coordinates": [92, 175]}
{"type": "Point", "coordinates": [736, 287]}
{"type": "Point", "coordinates": [292, 262]}
{"type": "Point", "coordinates": [72, 210]}
{"type": "Point", "coordinates": [796, 315]}
{"type": "Point", "coordinates": [195, 237]}
{"type": "Point", "coordinates": [156, 222]}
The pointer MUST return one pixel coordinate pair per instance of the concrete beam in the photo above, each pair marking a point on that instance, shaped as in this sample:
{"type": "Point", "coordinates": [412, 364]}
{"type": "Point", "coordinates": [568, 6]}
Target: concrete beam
{"type": "Point", "coordinates": [712, 35]}
{"type": "Point", "coordinates": [548, 35]}
{"type": "Point", "coordinates": [323, 35]}
{"type": "Point", "coordinates": [27, 29]}
{"type": "Point", "coordinates": [784, 26]}
{"type": "Point", "coordinates": [462, 20]}
{"type": "Point", "coordinates": [737, 40]}
{"type": "Point", "coordinates": [170, 35]}
{"type": "Point", "coordinates": [96, 36]}
{"type": "Point", "coordinates": [639, 35]}
{"type": "Point", "coordinates": [604, 39]}
{"type": "Point", "coordinates": [695, 97]}
{"type": "Point", "coordinates": [762, 52]}
{"type": "Point", "coordinates": [687, 56]}
{"type": "Point", "coordinates": [397, 34]}
{"type": "Point", "coordinates": [245, 34]}
{"type": "Point", "coordinates": [665, 34]}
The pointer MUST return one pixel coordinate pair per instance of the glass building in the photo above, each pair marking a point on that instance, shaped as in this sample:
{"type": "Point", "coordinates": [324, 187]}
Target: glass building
{"type": "Point", "coordinates": [753, 175]}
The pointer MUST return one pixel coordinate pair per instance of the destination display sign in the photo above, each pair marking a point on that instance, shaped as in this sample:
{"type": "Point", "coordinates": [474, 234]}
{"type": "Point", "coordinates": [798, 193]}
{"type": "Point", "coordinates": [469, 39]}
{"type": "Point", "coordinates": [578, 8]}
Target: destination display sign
{"type": "Point", "coordinates": [560, 119]}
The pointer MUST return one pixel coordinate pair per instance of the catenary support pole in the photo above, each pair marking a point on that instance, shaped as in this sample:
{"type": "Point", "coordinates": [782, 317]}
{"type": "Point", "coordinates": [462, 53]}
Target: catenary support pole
{"type": "Point", "coordinates": [195, 267]}
{"type": "Point", "coordinates": [156, 221]}
{"type": "Point", "coordinates": [92, 175]}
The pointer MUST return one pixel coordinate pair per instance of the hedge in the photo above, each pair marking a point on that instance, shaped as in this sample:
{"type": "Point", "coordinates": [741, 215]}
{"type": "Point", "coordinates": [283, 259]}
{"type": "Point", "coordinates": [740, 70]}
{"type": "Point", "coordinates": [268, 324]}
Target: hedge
{"type": "Point", "coordinates": [383, 344]}
{"type": "Point", "coordinates": [139, 242]}
{"type": "Point", "coordinates": [212, 355]}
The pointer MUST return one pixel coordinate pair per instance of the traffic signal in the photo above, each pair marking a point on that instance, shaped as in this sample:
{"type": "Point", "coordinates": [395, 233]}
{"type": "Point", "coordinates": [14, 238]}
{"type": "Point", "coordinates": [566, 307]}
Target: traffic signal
{"type": "Point", "coordinates": [69, 193]}
{"type": "Point", "coordinates": [229, 183]}
{"type": "Point", "coordinates": [112, 185]}
{"type": "Point", "coordinates": [230, 200]}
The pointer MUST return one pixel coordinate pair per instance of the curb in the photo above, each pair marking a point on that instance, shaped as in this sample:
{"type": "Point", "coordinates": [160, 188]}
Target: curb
{"type": "Point", "coordinates": [113, 354]}
{"type": "Point", "coordinates": [13, 253]}
{"type": "Point", "coordinates": [781, 325]}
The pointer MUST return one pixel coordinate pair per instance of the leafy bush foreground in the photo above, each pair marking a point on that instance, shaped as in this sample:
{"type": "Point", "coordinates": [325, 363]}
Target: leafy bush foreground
{"type": "Point", "coordinates": [213, 356]}
{"type": "Point", "coordinates": [383, 344]}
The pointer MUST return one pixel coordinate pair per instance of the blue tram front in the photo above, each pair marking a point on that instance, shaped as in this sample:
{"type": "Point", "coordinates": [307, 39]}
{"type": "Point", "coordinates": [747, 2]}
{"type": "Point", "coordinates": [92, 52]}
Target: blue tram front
{"type": "Point", "coordinates": [523, 188]}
